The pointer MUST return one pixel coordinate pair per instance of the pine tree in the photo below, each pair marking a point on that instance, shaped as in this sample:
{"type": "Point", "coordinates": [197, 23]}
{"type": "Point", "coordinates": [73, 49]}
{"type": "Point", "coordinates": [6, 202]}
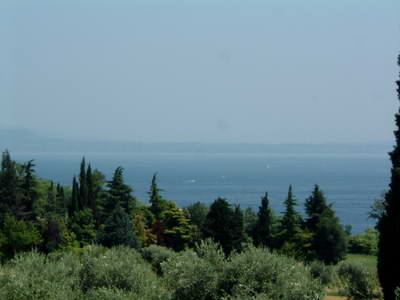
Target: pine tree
{"type": "Point", "coordinates": [314, 207]}
{"type": "Point", "coordinates": [118, 230]}
{"type": "Point", "coordinates": [389, 223]}
{"type": "Point", "coordinates": [329, 240]}
{"type": "Point", "coordinates": [119, 193]}
{"type": "Point", "coordinates": [237, 229]}
{"type": "Point", "coordinates": [220, 225]}
{"type": "Point", "coordinates": [291, 220]}
{"type": "Point", "coordinates": [263, 228]}
{"type": "Point", "coordinates": [328, 237]}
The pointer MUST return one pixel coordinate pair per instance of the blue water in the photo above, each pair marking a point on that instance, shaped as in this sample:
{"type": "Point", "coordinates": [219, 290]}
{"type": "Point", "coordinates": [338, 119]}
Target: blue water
{"type": "Point", "coordinates": [350, 181]}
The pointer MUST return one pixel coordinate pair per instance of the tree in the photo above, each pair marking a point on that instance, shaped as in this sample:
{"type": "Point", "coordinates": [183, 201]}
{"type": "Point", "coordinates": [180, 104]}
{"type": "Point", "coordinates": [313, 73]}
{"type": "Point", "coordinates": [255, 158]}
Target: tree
{"type": "Point", "coordinates": [157, 203]}
{"type": "Point", "coordinates": [222, 225]}
{"type": "Point", "coordinates": [119, 193]}
{"type": "Point", "coordinates": [329, 240]}
{"type": "Point", "coordinates": [83, 188]}
{"type": "Point", "coordinates": [8, 185]}
{"type": "Point", "coordinates": [83, 226]}
{"type": "Point", "coordinates": [17, 235]}
{"type": "Point", "coordinates": [389, 222]}
{"type": "Point", "coordinates": [118, 230]}
{"type": "Point", "coordinates": [74, 206]}
{"type": "Point", "coordinates": [29, 192]}
{"type": "Point", "coordinates": [314, 207]}
{"type": "Point", "coordinates": [178, 231]}
{"type": "Point", "coordinates": [291, 220]}
{"type": "Point", "coordinates": [263, 228]}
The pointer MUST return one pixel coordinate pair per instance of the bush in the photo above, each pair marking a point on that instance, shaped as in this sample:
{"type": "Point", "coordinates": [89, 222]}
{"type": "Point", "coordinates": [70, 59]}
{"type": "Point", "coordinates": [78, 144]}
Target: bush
{"type": "Point", "coordinates": [32, 276]}
{"type": "Point", "coordinates": [123, 269]}
{"type": "Point", "coordinates": [322, 272]}
{"type": "Point", "coordinates": [357, 282]}
{"type": "Point", "coordinates": [190, 277]}
{"type": "Point", "coordinates": [256, 271]}
{"type": "Point", "coordinates": [364, 243]}
{"type": "Point", "coordinates": [156, 255]}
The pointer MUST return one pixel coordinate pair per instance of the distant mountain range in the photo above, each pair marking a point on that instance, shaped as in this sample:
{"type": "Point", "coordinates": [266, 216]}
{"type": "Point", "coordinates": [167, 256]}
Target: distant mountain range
{"type": "Point", "coordinates": [23, 140]}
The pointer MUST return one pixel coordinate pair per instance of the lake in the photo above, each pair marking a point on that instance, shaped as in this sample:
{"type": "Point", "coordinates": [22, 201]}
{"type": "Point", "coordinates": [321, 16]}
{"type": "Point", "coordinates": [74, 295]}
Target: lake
{"type": "Point", "coordinates": [351, 181]}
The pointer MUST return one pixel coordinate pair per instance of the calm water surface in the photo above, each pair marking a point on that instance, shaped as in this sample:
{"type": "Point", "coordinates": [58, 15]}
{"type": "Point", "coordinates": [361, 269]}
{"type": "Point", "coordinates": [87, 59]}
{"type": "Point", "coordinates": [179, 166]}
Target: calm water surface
{"type": "Point", "coordinates": [350, 181]}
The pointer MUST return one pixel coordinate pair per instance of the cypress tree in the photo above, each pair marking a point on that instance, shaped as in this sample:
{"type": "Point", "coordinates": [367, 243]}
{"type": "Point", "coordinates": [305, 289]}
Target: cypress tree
{"type": "Point", "coordinates": [83, 189]}
{"type": "Point", "coordinates": [91, 197]}
{"type": "Point", "coordinates": [74, 205]}
{"type": "Point", "coordinates": [157, 203]}
{"type": "Point", "coordinates": [389, 223]}
{"type": "Point", "coordinates": [8, 185]}
{"type": "Point", "coordinates": [29, 192]}
{"type": "Point", "coordinates": [263, 228]}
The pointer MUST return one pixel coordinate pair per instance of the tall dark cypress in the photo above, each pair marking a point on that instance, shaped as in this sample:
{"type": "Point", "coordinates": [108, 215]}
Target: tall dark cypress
{"type": "Point", "coordinates": [74, 206]}
{"type": "Point", "coordinates": [91, 197]}
{"type": "Point", "coordinates": [29, 192]}
{"type": "Point", "coordinates": [389, 223]}
{"type": "Point", "coordinates": [8, 185]}
{"type": "Point", "coordinates": [263, 229]}
{"type": "Point", "coordinates": [83, 191]}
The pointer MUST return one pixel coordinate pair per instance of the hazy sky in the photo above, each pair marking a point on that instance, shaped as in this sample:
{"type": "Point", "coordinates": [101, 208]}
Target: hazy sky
{"type": "Point", "coordinates": [207, 71]}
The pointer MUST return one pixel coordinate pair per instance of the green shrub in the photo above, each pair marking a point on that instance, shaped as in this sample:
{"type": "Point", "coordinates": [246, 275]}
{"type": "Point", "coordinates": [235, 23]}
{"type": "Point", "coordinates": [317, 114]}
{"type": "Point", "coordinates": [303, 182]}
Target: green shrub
{"type": "Point", "coordinates": [357, 282]}
{"type": "Point", "coordinates": [257, 271]}
{"type": "Point", "coordinates": [156, 255]}
{"type": "Point", "coordinates": [190, 277]}
{"type": "Point", "coordinates": [32, 276]}
{"type": "Point", "coordinates": [322, 272]}
{"type": "Point", "coordinates": [211, 252]}
{"type": "Point", "coordinates": [365, 243]}
{"type": "Point", "coordinates": [114, 294]}
{"type": "Point", "coordinates": [123, 269]}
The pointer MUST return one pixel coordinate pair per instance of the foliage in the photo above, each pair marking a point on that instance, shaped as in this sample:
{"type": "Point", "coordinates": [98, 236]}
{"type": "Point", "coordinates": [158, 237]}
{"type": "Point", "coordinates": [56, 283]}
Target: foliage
{"type": "Point", "coordinates": [17, 235]}
{"type": "Point", "coordinates": [118, 230]}
{"type": "Point", "coordinates": [178, 231]}
{"type": "Point", "coordinates": [257, 271]}
{"type": "Point", "coordinates": [357, 282]}
{"type": "Point", "coordinates": [224, 225]}
{"type": "Point", "coordinates": [324, 273]}
{"type": "Point", "coordinates": [190, 277]}
{"type": "Point", "coordinates": [156, 255]}
{"type": "Point", "coordinates": [389, 222]}
{"type": "Point", "coordinates": [122, 269]}
{"type": "Point", "coordinates": [330, 240]}
{"type": "Point", "coordinates": [365, 243]}
{"type": "Point", "coordinates": [83, 226]}
{"type": "Point", "coordinates": [263, 227]}
{"type": "Point", "coordinates": [32, 276]}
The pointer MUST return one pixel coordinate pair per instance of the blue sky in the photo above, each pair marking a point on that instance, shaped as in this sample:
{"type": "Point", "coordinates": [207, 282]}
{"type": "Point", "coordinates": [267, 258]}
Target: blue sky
{"type": "Point", "coordinates": [201, 71]}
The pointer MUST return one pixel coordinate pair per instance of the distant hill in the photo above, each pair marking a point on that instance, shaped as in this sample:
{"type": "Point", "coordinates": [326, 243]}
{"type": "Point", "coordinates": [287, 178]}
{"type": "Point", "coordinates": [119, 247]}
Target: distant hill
{"type": "Point", "coordinates": [23, 140]}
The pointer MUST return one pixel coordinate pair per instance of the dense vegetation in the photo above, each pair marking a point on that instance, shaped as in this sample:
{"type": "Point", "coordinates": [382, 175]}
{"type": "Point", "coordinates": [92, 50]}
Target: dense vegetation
{"type": "Point", "coordinates": [38, 214]}
{"type": "Point", "coordinates": [389, 222]}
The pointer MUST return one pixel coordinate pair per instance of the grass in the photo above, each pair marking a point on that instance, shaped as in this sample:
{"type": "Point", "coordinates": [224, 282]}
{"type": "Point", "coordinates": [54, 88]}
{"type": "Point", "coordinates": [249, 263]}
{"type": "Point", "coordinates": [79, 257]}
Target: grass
{"type": "Point", "coordinates": [370, 261]}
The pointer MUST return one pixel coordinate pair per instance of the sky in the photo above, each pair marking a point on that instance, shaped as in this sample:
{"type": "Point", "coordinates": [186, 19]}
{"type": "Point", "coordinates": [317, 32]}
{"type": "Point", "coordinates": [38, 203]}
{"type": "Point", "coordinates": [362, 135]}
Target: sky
{"type": "Point", "coordinates": [248, 71]}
